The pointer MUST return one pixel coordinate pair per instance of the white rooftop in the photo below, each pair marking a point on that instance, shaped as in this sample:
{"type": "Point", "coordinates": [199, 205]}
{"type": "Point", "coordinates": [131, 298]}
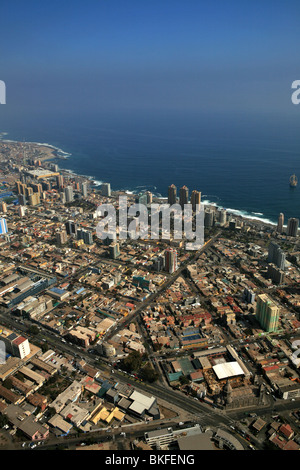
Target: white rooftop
{"type": "Point", "coordinates": [142, 399]}
{"type": "Point", "coordinates": [41, 172]}
{"type": "Point", "coordinates": [137, 407]}
{"type": "Point", "coordinates": [228, 369]}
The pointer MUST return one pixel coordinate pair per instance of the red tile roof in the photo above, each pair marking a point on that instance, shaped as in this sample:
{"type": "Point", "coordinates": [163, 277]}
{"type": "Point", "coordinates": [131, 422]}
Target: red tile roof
{"type": "Point", "coordinates": [19, 340]}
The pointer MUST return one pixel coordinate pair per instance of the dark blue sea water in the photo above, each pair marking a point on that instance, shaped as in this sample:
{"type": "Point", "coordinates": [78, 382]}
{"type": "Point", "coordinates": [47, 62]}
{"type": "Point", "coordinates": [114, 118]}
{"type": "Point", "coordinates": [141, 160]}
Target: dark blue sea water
{"type": "Point", "coordinates": [242, 163]}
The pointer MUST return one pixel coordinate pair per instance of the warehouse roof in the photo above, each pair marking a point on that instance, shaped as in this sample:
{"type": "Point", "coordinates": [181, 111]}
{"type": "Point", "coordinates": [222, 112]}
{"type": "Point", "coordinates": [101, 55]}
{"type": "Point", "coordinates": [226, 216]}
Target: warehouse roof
{"type": "Point", "coordinates": [228, 369]}
{"type": "Point", "coordinates": [138, 397]}
{"type": "Point", "coordinates": [137, 407]}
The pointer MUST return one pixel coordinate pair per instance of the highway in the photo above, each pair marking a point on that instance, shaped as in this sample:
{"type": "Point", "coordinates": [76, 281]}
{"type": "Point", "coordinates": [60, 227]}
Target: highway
{"type": "Point", "coordinates": [192, 410]}
{"type": "Point", "coordinates": [212, 416]}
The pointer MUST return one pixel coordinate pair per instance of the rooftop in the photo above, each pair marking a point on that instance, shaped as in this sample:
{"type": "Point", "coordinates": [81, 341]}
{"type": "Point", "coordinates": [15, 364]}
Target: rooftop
{"type": "Point", "coordinates": [227, 369]}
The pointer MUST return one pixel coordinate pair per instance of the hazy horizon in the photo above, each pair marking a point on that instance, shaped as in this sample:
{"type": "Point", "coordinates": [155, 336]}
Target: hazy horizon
{"type": "Point", "coordinates": [149, 57]}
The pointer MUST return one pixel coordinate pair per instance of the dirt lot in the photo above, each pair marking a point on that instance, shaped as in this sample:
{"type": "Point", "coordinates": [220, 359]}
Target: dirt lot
{"type": "Point", "coordinates": [167, 413]}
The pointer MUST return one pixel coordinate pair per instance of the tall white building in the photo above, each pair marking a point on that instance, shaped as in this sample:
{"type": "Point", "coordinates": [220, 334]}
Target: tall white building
{"type": "Point", "coordinates": [276, 256]}
{"type": "Point", "coordinates": [21, 211]}
{"type": "Point", "coordinates": [69, 194]}
{"type": "Point", "coordinates": [3, 226]}
{"type": "Point", "coordinates": [84, 189]}
{"type": "Point", "coordinates": [223, 216]}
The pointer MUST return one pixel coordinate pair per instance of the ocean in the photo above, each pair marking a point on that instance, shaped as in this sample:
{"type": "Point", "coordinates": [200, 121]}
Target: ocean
{"type": "Point", "coordinates": [241, 163]}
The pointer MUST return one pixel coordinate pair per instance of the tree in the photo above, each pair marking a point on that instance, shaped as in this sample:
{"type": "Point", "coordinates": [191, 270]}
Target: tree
{"type": "Point", "coordinates": [184, 380]}
{"type": "Point", "coordinates": [149, 374]}
{"type": "Point", "coordinates": [3, 420]}
{"type": "Point", "coordinates": [34, 330]}
{"type": "Point", "coordinates": [133, 361]}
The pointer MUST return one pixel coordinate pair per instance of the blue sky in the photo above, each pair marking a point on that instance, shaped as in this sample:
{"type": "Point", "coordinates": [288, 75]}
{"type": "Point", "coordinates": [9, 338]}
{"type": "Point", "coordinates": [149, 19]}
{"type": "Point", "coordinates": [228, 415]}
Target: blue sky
{"type": "Point", "coordinates": [213, 56]}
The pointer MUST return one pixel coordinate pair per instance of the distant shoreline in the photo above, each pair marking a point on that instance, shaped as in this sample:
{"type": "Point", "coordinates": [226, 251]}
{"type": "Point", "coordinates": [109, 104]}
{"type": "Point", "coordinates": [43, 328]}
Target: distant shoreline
{"type": "Point", "coordinates": [55, 151]}
{"type": "Point", "coordinates": [59, 154]}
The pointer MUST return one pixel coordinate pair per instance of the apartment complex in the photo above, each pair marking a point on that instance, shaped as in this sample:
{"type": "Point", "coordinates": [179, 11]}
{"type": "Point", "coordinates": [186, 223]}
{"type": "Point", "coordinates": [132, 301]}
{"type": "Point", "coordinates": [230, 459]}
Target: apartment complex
{"type": "Point", "coordinates": [267, 313]}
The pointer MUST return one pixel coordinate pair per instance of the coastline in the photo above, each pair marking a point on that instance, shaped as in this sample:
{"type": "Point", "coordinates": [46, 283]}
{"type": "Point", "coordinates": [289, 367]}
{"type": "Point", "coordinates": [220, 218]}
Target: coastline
{"type": "Point", "coordinates": [59, 154]}
{"type": "Point", "coordinates": [56, 151]}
